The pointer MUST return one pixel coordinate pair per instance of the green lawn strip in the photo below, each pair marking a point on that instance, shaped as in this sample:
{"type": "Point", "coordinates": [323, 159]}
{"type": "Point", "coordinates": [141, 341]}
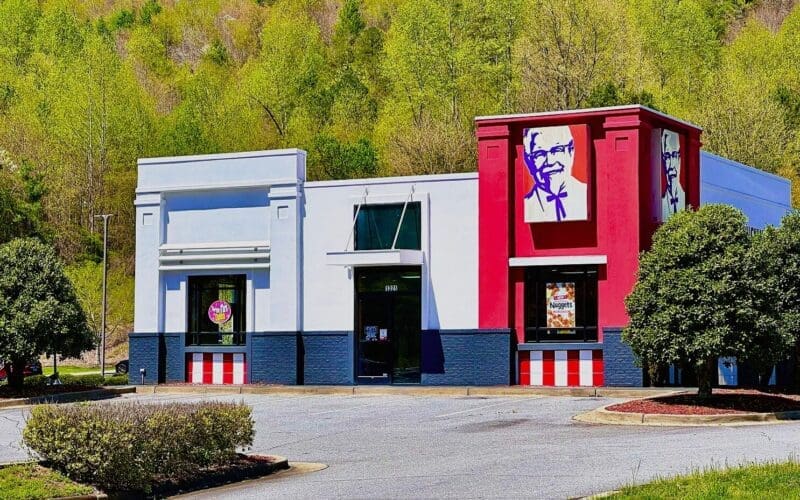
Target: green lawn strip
{"type": "Point", "coordinates": [780, 480]}
{"type": "Point", "coordinates": [75, 370]}
{"type": "Point", "coordinates": [31, 481]}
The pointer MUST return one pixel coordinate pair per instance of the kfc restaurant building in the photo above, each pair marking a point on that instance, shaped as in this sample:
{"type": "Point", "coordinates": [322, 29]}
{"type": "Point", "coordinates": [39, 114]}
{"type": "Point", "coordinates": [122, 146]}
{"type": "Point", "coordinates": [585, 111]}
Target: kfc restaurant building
{"type": "Point", "coordinates": [517, 274]}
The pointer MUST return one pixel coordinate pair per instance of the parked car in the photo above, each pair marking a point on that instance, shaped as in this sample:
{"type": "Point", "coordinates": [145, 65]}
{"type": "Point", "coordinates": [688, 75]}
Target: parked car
{"type": "Point", "coordinates": [32, 368]}
{"type": "Point", "coordinates": [122, 367]}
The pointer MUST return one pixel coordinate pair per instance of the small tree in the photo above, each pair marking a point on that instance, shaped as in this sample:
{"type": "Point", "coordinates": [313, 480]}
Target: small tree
{"type": "Point", "coordinates": [694, 300]}
{"type": "Point", "coordinates": [39, 311]}
{"type": "Point", "coordinates": [775, 254]}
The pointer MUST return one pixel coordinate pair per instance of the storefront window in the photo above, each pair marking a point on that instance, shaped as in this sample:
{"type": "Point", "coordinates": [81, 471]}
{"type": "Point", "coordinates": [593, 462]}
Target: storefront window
{"type": "Point", "coordinates": [561, 304]}
{"type": "Point", "coordinates": [376, 226]}
{"type": "Point", "coordinates": [216, 310]}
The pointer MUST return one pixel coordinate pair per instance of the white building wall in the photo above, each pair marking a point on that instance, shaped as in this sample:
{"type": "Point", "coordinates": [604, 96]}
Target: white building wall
{"type": "Point", "coordinates": [449, 212]}
{"type": "Point", "coordinates": [261, 196]}
{"type": "Point", "coordinates": [220, 199]}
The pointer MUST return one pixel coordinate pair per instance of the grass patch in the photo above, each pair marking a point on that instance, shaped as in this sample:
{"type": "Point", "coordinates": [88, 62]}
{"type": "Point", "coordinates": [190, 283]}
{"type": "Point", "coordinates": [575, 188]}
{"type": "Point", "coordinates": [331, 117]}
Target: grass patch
{"type": "Point", "coordinates": [31, 481]}
{"type": "Point", "coordinates": [75, 370]}
{"type": "Point", "coordinates": [781, 480]}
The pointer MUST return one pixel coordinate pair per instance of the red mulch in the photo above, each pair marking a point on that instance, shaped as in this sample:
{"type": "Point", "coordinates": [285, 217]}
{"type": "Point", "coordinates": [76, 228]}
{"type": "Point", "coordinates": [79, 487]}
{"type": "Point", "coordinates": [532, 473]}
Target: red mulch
{"type": "Point", "coordinates": [44, 390]}
{"type": "Point", "coordinates": [721, 402]}
{"type": "Point", "coordinates": [240, 468]}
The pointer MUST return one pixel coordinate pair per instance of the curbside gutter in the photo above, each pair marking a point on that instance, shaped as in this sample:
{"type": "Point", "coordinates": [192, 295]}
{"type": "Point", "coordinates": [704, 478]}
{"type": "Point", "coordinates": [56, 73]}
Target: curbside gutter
{"type": "Point", "coordinates": [604, 416]}
{"type": "Point", "coordinates": [374, 390]}
{"type": "Point", "coordinates": [69, 397]}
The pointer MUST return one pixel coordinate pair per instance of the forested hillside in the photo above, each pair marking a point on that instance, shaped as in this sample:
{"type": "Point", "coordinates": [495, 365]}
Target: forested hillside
{"type": "Point", "coordinates": [369, 87]}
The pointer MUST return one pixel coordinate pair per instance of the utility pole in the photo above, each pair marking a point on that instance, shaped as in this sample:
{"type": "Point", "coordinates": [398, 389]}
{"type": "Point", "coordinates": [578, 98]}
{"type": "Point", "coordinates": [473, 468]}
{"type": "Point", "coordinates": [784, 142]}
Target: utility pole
{"type": "Point", "coordinates": [105, 218]}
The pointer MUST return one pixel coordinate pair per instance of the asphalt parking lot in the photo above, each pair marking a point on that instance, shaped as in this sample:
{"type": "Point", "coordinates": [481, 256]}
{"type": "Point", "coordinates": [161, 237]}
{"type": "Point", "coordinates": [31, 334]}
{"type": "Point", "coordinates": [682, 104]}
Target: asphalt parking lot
{"type": "Point", "coordinates": [465, 447]}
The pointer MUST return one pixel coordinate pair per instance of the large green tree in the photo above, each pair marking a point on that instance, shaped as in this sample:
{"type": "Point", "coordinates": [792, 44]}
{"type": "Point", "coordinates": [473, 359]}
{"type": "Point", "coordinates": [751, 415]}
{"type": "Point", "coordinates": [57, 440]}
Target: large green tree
{"type": "Point", "coordinates": [39, 310]}
{"type": "Point", "coordinates": [694, 299]}
{"type": "Point", "coordinates": [775, 257]}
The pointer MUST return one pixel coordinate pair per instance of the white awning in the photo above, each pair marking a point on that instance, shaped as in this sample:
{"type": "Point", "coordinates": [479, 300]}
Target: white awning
{"type": "Point", "coordinates": [561, 260]}
{"type": "Point", "coordinates": [202, 256]}
{"type": "Point", "coordinates": [366, 258]}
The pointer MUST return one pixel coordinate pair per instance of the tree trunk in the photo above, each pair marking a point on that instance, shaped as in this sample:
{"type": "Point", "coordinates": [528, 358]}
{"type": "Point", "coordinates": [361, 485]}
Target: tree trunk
{"type": "Point", "coordinates": [16, 376]}
{"type": "Point", "coordinates": [705, 377]}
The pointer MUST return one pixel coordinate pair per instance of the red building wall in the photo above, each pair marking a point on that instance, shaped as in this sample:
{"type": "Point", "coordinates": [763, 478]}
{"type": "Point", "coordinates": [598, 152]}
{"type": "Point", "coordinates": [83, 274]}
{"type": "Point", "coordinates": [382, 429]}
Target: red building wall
{"type": "Point", "coordinates": [622, 204]}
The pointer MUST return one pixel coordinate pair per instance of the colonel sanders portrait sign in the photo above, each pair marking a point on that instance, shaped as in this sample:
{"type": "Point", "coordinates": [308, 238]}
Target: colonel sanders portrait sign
{"type": "Point", "coordinates": [556, 173]}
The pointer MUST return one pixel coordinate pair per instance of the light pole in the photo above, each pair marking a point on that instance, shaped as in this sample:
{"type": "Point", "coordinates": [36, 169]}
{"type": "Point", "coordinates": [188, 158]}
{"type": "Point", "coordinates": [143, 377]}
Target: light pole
{"type": "Point", "coordinates": [105, 218]}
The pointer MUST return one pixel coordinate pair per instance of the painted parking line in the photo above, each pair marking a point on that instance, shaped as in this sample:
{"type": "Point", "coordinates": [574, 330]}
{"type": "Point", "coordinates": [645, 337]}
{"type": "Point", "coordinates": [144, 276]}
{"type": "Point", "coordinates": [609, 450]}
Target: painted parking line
{"type": "Point", "coordinates": [279, 399]}
{"type": "Point", "coordinates": [479, 408]}
{"type": "Point", "coordinates": [382, 403]}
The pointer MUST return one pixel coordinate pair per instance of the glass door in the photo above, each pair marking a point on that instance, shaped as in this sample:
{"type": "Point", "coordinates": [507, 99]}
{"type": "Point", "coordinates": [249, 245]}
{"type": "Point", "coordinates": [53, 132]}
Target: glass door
{"type": "Point", "coordinates": [388, 325]}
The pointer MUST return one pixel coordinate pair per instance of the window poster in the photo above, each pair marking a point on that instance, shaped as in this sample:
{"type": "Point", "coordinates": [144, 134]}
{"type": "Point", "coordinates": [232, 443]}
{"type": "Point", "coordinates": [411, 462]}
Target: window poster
{"type": "Point", "coordinates": [560, 305]}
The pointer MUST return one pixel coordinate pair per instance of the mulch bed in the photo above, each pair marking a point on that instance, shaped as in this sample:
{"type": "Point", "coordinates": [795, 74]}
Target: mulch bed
{"type": "Point", "coordinates": [721, 402]}
{"type": "Point", "coordinates": [240, 469]}
{"type": "Point", "coordinates": [44, 390]}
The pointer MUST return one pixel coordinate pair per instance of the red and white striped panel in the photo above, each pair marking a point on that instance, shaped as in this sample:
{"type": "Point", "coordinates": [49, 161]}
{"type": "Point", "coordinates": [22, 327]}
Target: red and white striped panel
{"type": "Point", "coordinates": [215, 368]}
{"type": "Point", "coordinates": [573, 368]}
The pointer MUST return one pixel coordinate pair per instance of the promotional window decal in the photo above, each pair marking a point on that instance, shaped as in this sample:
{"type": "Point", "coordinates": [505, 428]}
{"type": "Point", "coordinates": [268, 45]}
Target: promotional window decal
{"type": "Point", "coordinates": [556, 173]}
{"type": "Point", "coordinates": [673, 196]}
{"type": "Point", "coordinates": [560, 305]}
{"type": "Point", "coordinates": [219, 312]}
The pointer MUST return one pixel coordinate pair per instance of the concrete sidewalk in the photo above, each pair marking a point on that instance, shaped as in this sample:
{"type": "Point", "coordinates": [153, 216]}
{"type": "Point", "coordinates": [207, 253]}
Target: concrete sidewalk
{"type": "Point", "coordinates": [389, 390]}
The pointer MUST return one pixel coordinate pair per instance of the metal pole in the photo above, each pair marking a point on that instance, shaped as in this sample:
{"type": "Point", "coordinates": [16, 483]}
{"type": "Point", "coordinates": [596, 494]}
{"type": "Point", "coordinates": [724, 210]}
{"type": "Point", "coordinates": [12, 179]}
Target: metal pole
{"type": "Point", "coordinates": [105, 218]}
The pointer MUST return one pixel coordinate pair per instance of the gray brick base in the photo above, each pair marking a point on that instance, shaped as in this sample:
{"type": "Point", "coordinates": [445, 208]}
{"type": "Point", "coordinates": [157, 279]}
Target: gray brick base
{"type": "Point", "coordinates": [328, 358]}
{"type": "Point", "coordinates": [143, 352]}
{"type": "Point", "coordinates": [174, 357]}
{"type": "Point", "coordinates": [273, 357]}
{"type": "Point", "coordinates": [619, 365]}
{"type": "Point", "coordinates": [466, 357]}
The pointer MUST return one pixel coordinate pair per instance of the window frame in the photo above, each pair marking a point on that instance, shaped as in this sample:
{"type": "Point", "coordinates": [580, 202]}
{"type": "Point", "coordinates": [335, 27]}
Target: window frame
{"type": "Point", "coordinates": [413, 215]}
{"type": "Point", "coordinates": [195, 336]}
{"type": "Point", "coordinates": [586, 328]}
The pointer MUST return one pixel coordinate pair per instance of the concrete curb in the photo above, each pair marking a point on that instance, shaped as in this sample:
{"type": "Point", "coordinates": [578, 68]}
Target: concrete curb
{"type": "Point", "coordinates": [68, 397]}
{"type": "Point", "coordinates": [372, 390]}
{"type": "Point", "coordinates": [604, 416]}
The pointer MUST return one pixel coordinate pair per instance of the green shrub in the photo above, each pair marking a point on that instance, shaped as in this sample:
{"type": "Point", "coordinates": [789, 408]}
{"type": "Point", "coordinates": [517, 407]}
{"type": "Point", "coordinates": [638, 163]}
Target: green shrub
{"type": "Point", "coordinates": [35, 381]}
{"type": "Point", "coordinates": [92, 380]}
{"type": "Point", "coordinates": [127, 446]}
{"type": "Point", "coordinates": [117, 380]}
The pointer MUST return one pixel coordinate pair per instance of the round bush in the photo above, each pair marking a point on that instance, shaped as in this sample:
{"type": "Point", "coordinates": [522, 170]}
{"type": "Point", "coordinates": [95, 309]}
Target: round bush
{"type": "Point", "coordinates": [127, 446]}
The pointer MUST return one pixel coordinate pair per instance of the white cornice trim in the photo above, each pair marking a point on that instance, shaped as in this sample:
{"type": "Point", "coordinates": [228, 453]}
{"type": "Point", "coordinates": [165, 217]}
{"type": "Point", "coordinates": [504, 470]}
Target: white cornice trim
{"type": "Point", "coordinates": [565, 260]}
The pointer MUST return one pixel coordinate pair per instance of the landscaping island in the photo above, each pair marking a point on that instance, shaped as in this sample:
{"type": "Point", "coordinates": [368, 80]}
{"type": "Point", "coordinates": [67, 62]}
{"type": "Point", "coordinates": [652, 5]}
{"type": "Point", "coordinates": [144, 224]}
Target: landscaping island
{"type": "Point", "coordinates": [137, 450]}
{"type": "Point", "coordinates": [721, 402]}
{"type": "Point", "coordinates": [724, 407]}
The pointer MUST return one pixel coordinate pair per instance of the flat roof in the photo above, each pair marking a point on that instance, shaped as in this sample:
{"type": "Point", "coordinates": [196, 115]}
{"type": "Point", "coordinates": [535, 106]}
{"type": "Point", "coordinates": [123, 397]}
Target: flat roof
{"type": "Point", "coordinates": [626, 107]}
{"type": "Point", "coordinates": [458, 176]}
{"type": "Point", "coordinates": [220, 156]}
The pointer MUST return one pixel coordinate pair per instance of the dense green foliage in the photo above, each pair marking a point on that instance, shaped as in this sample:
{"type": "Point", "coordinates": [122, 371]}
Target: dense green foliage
{"type": "Point", "coordinates": [367, 87]}
{"type": "Point", "coordinates": [756, 482]}
{"type": "Point", "coordinates": [775, 254]}
{"type": "Point", "coordinates": [90, 380]}
{"type": "Point", "coordinates": [39, 311]}
{"type": "Point", "coordinates": [697, 297]}
{"type": "Point", "coordinates": [31, 481]}
{"type": "Point", "coordinates": [126, 446]}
